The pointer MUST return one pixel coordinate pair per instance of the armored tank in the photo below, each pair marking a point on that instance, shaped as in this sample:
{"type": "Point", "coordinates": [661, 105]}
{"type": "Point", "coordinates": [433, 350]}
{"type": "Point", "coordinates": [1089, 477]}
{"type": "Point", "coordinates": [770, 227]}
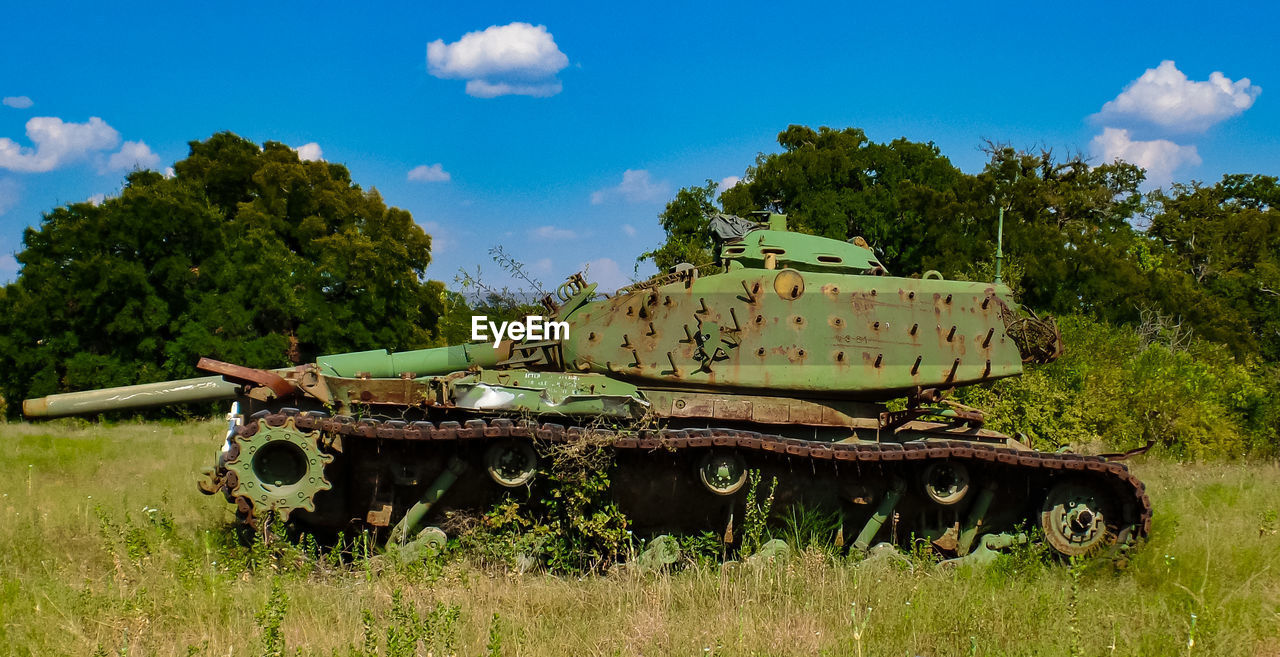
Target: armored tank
{"type": "Point", "coordinates": [791, 356]}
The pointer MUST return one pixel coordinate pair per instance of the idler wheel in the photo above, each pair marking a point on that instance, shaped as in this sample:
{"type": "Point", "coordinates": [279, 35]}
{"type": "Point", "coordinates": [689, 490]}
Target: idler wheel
{"type": "Point", "coordinates": [946, 482]}
{"type": "Point", "coordinates": [511, 463]}
{"type": "Point", "coordinates": [723, 473]}
{"type": "Point", "coordinates": [1075, 517]}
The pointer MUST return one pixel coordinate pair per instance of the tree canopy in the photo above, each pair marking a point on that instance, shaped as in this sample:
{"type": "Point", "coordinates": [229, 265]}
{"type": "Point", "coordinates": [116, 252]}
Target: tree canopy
{"type": "Point", "coordinates": [246, 254]}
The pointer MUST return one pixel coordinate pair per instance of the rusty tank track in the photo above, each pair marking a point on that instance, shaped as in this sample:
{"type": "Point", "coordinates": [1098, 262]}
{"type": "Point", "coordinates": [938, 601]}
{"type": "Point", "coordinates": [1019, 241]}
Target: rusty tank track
{"type": "Point", "coordinates": [1135, 521]}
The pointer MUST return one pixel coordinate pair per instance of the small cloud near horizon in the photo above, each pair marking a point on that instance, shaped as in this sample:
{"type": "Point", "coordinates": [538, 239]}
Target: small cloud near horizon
{"type": "Point", "coordinates": [607, 273]}
{"type": "Point", "coordinates": [9, 193]}
{"type": "Point", "coordinates": [132, 155]}
{"type": "Point", "coordinates": [637, 186]}
{"type": "Point", "coordinates": [310, 152]}
{"type": "Point", "coordinates": [57, 143]}
{"type": "Point", "coordinates": [429, 173]}
{"type": "Point", "coordinates": [552, 233]}
{"type": "Point", "coordinates": [1160, 157]}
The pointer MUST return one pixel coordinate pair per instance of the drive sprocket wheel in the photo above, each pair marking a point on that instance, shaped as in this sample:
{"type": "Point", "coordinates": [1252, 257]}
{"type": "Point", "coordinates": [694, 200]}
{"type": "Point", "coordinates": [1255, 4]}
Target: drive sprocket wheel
{"type": "Point", "coordinates": [279, 469]}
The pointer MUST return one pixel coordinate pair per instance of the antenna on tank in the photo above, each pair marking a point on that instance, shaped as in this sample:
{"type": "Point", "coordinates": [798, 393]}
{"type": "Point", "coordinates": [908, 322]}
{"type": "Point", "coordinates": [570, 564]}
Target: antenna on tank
{"type": "Point", "coordinates": [1000, 246]}
{"type": "Point", "coordinates": [1000, 239]}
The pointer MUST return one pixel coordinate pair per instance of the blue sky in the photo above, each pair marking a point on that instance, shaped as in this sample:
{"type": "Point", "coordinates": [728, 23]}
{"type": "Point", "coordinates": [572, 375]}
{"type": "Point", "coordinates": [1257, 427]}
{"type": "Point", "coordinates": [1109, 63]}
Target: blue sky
{"type": "Point", "coordinates": [673, 93]}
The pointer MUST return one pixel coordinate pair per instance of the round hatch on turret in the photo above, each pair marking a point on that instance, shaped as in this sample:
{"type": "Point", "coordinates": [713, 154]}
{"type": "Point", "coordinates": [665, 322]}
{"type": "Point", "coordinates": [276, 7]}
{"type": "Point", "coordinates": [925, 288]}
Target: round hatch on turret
{"type": "Point", "coordinates": [789, 284]}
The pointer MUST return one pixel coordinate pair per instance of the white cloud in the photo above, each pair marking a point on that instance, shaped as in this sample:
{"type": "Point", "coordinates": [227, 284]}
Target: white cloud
{"type": "Point", "coordinates": [96, 199]}
{"type": "Point", "coordinates": [18, 102]}
{"type": "Point", "coordinates": [637, 186]}
{"type": "Point", "coordinates": [726, 183]}
{"type": "Point", "coordinates": [56, 144]}
{"type": "Point", "coordinates": [552, 233]}
{"type": "Point", "coordinates": [9, 191]}
{"type": "Point", "coordinates": [542, 267]}
{"type": "Point", "coordinates": [515, 59]}
{"type": "Point", "coordinates": [310, 152]}
{"type": "Point", "coordinates": [442, 237]}
{"type": "Point", "coordinates": [629, 230]}
{"type": "Point", "coordinates": [133, 155]}
{"type": "Point", "coordinates": [607, 273]}
{"type": "Point", "coordinates": [1160, 157]}
{"type": "Point", "coordinates": [169, 172]}
{"type": "Point", "coordinates": [486, 89]}
{"type": "Point", "coordinates": [429, 173]}
{"type": "Point", "coordinates": [1165, 97]}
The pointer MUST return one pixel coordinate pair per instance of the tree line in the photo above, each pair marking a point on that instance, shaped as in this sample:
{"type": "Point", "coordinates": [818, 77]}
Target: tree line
{"type": "Point", "coordinates": [250, 255]}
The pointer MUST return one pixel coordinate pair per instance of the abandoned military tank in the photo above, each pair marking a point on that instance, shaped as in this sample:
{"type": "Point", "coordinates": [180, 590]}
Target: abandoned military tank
{"type": "Point", "coordinates": [782, 360]}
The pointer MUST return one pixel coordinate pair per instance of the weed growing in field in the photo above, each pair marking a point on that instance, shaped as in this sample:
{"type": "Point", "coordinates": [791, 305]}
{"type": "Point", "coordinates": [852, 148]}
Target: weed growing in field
{"type": "Point", "coordinates": [271, 618]}
{"type": "Point", "coordinates": [1022, 561]}
{"type": "Point", "coordinates": [408, 632]}
{"type": "Point", "coordinates": [1270, 522]}
{"type": "Point", "coordinates": [858, 625]}
{"type": "Point", "coordinates": [574, 526]}
{"type": "Point", "coordinates": [587, 530]}
{"type": "Point", "coordinates": [494, 647]}
{"type": "Point", "coordinates": [756, 517]}
{"type": "Point", "coordinates": [809, 527]}
{"type": "Point", "coordinates": [705, 550]}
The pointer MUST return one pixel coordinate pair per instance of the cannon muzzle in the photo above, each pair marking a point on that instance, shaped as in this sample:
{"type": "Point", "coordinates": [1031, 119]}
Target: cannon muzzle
{"type": "Point", "coordinates": [205, 389]}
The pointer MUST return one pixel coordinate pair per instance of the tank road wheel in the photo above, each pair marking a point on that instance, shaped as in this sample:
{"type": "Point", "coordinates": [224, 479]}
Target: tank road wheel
{"type": "Point", "coordinates": [723, 473]}
{"type": "Point", "coordinates": [511, 463]}
{"type": "Point", "coordinates": [279, 468]}
{"type": "Point", "coordinates": [1075, 517]}
{"type": "Point", "coordinates": [946, 482]}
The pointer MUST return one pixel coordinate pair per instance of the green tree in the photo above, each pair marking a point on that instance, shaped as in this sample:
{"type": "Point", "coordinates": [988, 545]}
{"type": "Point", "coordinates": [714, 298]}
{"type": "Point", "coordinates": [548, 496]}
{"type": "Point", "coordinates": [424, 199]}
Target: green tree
{"type": "Point", "coordinates": [902, 197]}
{"type": "Point", "coordinates": [247, 254]}
{"type": "Point", "coordinates": [1224, 242]}
{"type": "Point", "coordinates": [1068, 227]}
{"type": "Point", "coordinates": [685, 220]}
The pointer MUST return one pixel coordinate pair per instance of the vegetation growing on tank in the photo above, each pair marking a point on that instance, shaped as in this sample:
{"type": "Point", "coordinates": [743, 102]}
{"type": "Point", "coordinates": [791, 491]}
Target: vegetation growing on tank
{"type": "Point", "coordinates": [573, 526]}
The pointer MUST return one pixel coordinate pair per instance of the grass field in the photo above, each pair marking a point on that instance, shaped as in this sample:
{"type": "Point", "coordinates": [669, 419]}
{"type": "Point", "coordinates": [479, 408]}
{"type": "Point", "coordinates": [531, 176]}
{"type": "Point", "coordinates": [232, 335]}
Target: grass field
{"type": "Point", "coordinates": [107, 548]}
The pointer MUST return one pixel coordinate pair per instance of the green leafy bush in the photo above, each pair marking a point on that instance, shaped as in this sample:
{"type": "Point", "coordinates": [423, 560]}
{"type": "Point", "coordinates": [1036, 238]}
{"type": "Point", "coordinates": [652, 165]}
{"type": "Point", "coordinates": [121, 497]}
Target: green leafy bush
{"type": "Point", "coordinates": [1195, 400]}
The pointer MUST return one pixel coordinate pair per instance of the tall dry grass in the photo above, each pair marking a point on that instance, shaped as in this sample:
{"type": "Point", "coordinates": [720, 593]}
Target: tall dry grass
{"type": "Point", "coordinates": [106, 546]}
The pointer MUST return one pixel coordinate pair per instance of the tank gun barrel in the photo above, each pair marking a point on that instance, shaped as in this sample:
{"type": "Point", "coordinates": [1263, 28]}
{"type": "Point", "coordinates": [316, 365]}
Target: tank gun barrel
{"type": "Point", "coordinates": [377, 363]}
{"type": "Point", "coordinates": [204, 389]}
